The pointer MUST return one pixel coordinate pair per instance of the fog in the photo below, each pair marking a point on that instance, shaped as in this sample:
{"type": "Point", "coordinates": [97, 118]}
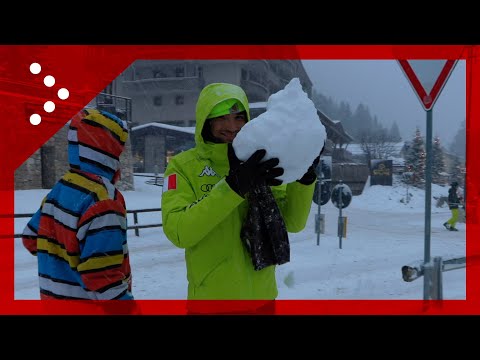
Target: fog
{"type": "Point", "coordinates": [382, 86]}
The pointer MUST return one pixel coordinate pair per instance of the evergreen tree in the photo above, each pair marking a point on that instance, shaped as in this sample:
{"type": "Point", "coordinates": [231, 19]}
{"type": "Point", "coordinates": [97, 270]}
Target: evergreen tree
{"type": "Point", "coordinates": [415, 159]}
{"type": "Point", "coordinates": [458, 145]}
{"type": "Point", "coordinates": [324, 103]}
{"type": "Point", "coordinates": [356, 124]}
{"type": "Point", "coordinates": [361, 121]}
{"type": "Point", "coordinates": [438, 162]}
{"type": "Point", "coordinates": [394, 133]}
{"type": "Point", "coordinates": [345, 116]}
{"type": "Point", "coordinates": [457, 171]}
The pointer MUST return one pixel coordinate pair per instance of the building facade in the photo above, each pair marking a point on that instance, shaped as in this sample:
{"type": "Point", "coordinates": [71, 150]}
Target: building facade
{"type": "Point", "coordinates": [153, 92]}
{"type": "Point", "coordinates": [166, 91]}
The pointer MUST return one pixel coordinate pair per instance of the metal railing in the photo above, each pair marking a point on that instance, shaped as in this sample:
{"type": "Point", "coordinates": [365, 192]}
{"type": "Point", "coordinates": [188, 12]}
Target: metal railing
{"type": "Point", "coordinates": [135, 220]}
{"type": "Point", "coordinates": [135, 227]}
{"type": "Point", "coordinates": [433, 271]}
{"type": "Point", "coordinates": [156, 179]}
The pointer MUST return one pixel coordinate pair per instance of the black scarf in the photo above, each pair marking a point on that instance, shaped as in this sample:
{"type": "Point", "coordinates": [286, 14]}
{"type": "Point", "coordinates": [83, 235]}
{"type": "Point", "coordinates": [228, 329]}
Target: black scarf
{"type": "Point", "coordinates": [264, 232]}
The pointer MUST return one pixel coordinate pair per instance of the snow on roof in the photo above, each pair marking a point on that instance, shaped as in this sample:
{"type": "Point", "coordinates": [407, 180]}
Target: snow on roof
{"type": "Point", "coordinates": [257, 105]}
{"type": "Point", "coordinates": [189, 130]}
{"type": "Point", "coordinates": [356, 149]}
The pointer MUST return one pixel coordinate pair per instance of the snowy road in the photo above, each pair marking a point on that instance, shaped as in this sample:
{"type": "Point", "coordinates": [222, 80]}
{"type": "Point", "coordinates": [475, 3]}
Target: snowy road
{"type": "Point", "coordinates": [382, 236]}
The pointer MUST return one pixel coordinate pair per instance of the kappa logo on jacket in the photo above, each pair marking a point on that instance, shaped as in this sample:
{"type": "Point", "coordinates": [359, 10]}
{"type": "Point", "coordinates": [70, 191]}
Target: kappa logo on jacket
{"type": "Point", "coordinates": [208, 171]}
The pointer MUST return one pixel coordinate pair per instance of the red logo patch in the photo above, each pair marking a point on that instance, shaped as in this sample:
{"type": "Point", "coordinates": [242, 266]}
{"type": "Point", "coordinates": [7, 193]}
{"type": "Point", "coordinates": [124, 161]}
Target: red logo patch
{"type": "Point", "coordinates": [170, 182]}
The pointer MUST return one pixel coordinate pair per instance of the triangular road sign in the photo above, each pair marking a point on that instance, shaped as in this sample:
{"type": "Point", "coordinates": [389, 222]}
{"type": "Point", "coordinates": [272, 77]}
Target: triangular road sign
{"type": "Point", "coordinates": [427, 78]}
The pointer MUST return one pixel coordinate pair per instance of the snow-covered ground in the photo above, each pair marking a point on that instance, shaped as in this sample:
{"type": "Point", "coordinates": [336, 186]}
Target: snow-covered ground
{"type": "Point", "coordinates": [383, 234]}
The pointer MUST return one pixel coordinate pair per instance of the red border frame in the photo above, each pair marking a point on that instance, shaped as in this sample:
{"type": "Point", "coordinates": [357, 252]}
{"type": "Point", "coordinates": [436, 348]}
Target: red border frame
{"type": "Point", "coordinates": [86, 69]}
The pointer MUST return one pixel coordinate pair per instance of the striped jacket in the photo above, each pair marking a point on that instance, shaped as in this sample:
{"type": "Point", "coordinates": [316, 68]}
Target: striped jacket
{"type": "Point", "coordinates": [79, 233]}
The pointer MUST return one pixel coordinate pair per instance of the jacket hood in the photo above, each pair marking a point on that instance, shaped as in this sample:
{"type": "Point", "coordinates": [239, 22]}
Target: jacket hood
{"type": "Point", "coordinates": [96, 140]}
{"type": "Point", "coordinates": [209, 97]}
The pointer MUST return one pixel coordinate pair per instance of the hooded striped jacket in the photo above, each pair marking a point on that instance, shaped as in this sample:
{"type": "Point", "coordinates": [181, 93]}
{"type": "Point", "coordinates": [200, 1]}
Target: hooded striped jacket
{"type": "Point", "coordinates": [79, 233]}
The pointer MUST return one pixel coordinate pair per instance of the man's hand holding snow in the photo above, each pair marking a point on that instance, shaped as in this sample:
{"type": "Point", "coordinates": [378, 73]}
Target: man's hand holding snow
{"type": "Point", "coordinates": [310, 176]}
{"type": "Point", "coordinates": [243, 176]}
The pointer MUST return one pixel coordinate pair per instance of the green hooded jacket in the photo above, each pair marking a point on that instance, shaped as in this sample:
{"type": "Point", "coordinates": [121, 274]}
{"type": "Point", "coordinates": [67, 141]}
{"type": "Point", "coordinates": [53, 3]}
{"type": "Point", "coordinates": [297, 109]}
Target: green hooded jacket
{"type": "Point", "coordinates": [203, 215]}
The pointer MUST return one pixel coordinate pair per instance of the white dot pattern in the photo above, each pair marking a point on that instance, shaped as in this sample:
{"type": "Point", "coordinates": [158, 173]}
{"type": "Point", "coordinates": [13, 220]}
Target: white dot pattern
{"type": "Point", "coordinates": [63, 94]}
{"type": "Point", "coordinates": [49, 81]}
{"type": "Point", "coordinates": [35, 68]}
{"type": "Point", "coordinates": [49, 106]}
{"type": "Point", "coordinates": [35, 119]}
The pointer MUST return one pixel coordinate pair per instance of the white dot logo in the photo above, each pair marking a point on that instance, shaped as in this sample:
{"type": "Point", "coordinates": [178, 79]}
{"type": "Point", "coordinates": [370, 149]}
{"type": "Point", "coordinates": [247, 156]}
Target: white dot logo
{"type": "Point", "coordinates": [35, 68]}
{"type": "Point", "coordinates": [49, 81]}
{"type": "Point", "coordinates": [49, 106]}
{"type": "Point", "coordinates": [63, 94]}
{"type": "Point", "coordinates": [35, 119]}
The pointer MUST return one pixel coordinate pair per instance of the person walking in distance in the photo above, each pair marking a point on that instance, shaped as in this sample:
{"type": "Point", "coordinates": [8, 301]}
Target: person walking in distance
{"type": "Point", "coordinates": [453, 203]}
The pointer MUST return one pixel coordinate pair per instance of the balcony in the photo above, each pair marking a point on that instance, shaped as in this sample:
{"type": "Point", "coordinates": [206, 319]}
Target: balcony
{"type": "Point", "coordinates": [168, 84]}
{"type": "Point", "coordinates": [255, 92]}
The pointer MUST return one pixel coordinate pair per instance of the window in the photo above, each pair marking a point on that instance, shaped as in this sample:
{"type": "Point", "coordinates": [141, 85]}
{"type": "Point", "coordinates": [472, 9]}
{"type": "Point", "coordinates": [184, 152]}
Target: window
{"type": "Point", "coordinates": [179, 100]}
{"type": "Point", "coordinates": [176, 122]}
{"type": "Point", "coordinates": [159, 74]}
{"type": "Point", "coordinates": [244, 74]}
{"type": "Point", "coordinates": [157, 100]}
{"type": "Point", "coordinates": [200, 72]}
{"type": "Point", "coordinates": [109, 89]}
{"type": "Point", "coordinates": [180, 71]}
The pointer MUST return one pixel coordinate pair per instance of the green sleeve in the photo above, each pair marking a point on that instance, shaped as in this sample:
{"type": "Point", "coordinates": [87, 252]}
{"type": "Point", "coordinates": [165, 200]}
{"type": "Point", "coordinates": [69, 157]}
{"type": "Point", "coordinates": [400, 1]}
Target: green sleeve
{"type": "Point", "coordinates": [295, 202]}
{"type": "Point", "coordinates": [187, 220]}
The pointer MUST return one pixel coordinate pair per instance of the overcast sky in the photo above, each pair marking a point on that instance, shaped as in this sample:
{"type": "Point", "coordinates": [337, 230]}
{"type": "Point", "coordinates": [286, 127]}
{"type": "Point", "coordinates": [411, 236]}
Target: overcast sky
{"type": "Point", "coordinates": [383, 87]}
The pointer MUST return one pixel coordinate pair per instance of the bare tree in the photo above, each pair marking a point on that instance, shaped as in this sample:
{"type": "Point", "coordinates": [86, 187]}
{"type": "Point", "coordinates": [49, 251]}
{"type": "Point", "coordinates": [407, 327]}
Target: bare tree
{"type": "Point", "coordinates": [376, 145]}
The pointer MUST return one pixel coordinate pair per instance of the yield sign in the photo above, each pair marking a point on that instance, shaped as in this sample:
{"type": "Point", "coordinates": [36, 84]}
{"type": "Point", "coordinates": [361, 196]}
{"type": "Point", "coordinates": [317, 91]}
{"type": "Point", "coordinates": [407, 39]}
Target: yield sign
{"type": "Point", "coordinates": [427, 78]}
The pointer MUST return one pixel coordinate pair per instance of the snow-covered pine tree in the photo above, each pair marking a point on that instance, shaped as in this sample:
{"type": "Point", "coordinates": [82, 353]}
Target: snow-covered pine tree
{"type": "Point", "coordinates": [457, 170]}
{"type": "Point", "coordinates": [415, 159]}
{"type": "Point", "coordinates": [458, 145]}
{"type": "Point", "coordinates": [438, 163]}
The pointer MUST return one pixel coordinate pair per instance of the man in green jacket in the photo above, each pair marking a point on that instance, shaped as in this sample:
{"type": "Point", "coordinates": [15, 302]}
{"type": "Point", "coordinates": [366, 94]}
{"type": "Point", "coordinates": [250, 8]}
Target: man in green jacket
{"type": "Point", "coordinates": [204, 202]}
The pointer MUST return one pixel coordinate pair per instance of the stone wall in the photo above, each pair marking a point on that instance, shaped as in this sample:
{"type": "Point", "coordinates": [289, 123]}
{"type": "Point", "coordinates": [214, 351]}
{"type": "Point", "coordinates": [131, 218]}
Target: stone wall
{"type": "Point", "coordinates": [28, 175]}
{"type": "Point", "coordinates": [126, 161]}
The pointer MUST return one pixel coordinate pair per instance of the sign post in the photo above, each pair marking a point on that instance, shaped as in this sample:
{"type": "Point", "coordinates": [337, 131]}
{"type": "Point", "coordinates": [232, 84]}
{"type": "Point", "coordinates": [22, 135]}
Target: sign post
{"type": "Point", "coordinates": [427, 78]}
{"type": "Point", "coordinates": [321, 195]}
{"type": "Point", "coordinates": [319, 218]}
{"type": "Point", "coordinates": [341, 198]}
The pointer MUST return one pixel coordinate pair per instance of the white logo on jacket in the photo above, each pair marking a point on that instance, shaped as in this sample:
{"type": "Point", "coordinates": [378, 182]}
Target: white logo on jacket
{"type": "Point", "coordinates": [208, 171]}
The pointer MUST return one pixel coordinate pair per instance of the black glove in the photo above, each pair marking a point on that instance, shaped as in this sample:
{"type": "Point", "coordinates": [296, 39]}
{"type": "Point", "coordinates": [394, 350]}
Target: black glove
{"type": "Point", "coordinates": [244, 175]}
{"type": "Point", "coordinates": [310, 176]}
